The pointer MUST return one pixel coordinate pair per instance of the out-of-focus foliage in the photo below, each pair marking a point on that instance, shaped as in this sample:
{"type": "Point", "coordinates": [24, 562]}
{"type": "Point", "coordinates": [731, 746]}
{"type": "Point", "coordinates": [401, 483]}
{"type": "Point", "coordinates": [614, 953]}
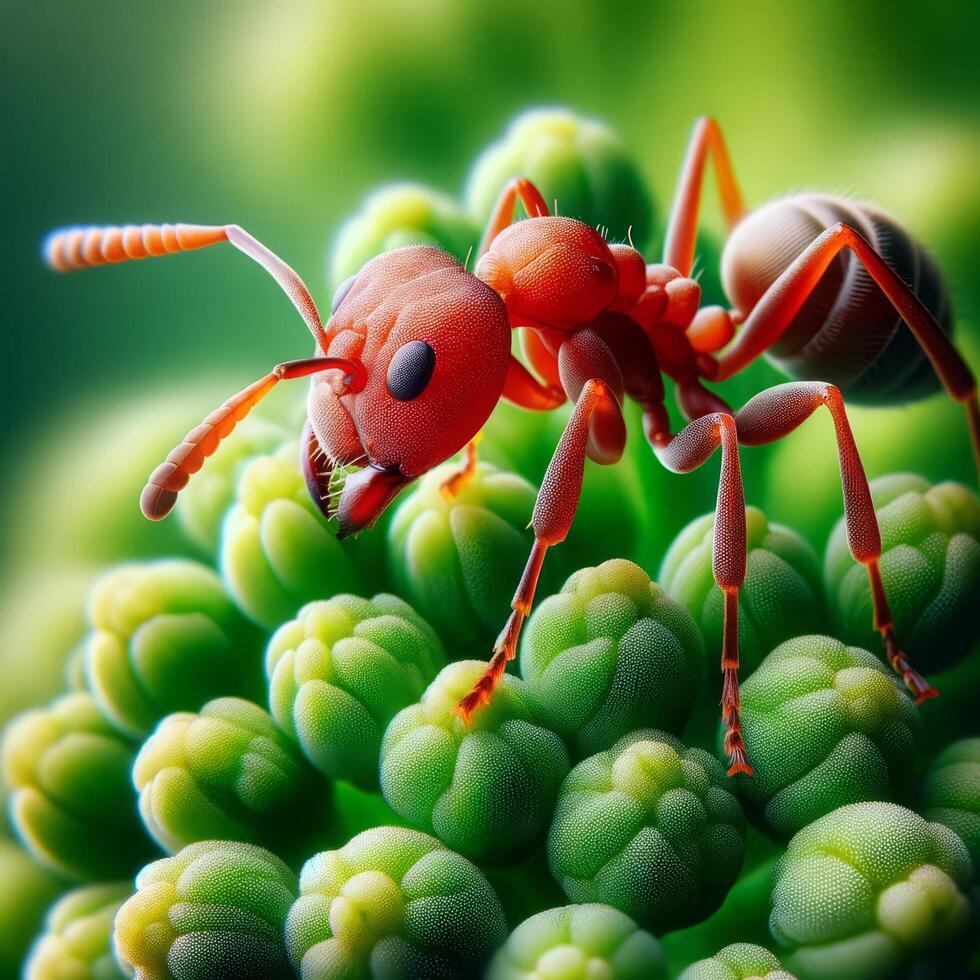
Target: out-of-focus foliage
{"type": "Point", "coordinates": [866, 890]}
{"type": "Point", "coordinates": [824, 725]}
{"type": "Point", "coordinates": [341, 670]}
{"type": "Point", "coordinates": [930, 565]}
{"type": "Point", "coordinates": [216, 909]}
{"type": "Point", "coordinates": [951, 793]}
{"type": "Point", "coordinates": [77, 937]}
{"type": "Point", "coordinates": [610, 653]}
{"type": "Point", "coordinates": [72, 802]}
{"type": "Point", "coordinates": [649, 827]}
{"type": "Point", "coordinates": [486, 789]}
{"type": "Point", "coordinates": [740, 961]}
{"type": "Point", "coordinates": [28, 889]}
{"type": "Point", "coordinates": [458, 561]}
{"type": "Point", "coordinates": [227, 773]}
{"type": "Point", "coordinates": [165, 637]}
{"type": "Point", "coordinates": [395, 904]}
{"type": "Point", "coordinates": [576, 942]}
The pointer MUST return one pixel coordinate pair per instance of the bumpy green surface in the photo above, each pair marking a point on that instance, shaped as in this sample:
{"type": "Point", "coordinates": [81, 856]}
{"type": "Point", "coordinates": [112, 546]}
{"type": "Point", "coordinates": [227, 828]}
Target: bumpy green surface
{"type": "Point", "coordinates": [865, 889]}
{"type": "Point", "coordinates": [486, 790]}
{"type": "Point", "coordinates": [458, 561]}
{"type": "Point", "coordinates": [740, 961]}
{"type": "Point", "coordinates": [578, 161]}
{"type": "Point", "coordinates": [226, 772]}
{"type": "Point", "coordinates": [579, 942]}
{"type": "Point", "coordinates": [77, 940]}
{"type": "Point", "coordinates": [781, 596]}
{"type": "Point", "coordinates": [28, 889]}
{"type": "Point", "coordinates": [165, 637]}
{"type": "Point", "coordinates": [951, 793]}
{"type": "Point", "coordinates": [277, 550]}
{"type": "Point", "coordinates": [649, 827]}
{"type": "Point", "coordinates": [930, 564]}
{"type": "Point", "coordinates": [824, 725]}
{"type": "Point", "coordinates": [392, 903]}
{"type": "Point", "coordinates": [71, 799]}
{"type": "Point", "coordinates": [216, 909]}
{"type": "Point", "coordinates": [341, 670]}
{"type": "Point", "coordinates": [609, 654]}
{"type": "Point", "coordinates": [399, 215]}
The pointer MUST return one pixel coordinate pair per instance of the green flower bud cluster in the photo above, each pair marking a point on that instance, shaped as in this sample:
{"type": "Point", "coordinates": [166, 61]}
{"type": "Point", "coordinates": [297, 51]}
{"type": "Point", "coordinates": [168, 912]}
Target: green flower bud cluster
{"type": "Point", "coordinates": [277, 551]}
{"type": "Point", "coordinates": [28, 889]}
{"type": "Point", "coordinates": [866, 889]}
{"type": "Point", "coordinates": [457, 561]}
{"type": "Point", "coordinates": [397, 215]}
{"type": "Point", "coordinates": [486, 789]}
{"type": "Point", "coordinates": [216, 909]}
{"type": "Point", "coordinates": [610, 653]}
{"type": "Point", "coordinates": [781, 597]}
{"type": "Point", "coordinates": [226, 772]}
{"type": "Point", "coordinates": [824, 725]}
{"type": "Point", "coordinates": [740, 961]}
{"type": "Point", "coordinates": [648, 827]}
{"type": "Point", "coordinates": [165, 637]}
{"type": "Point", "coordinates": [341, 670]}
{"type": "Point", "coordinates": [578, 162]}
{"type": "Point", "coordinates": [71, 800]}
{"type": "Point", "coordinates": [951, 793]}
{"type": "Point", "coordinates": [77, 937]}
{"type": "Point", "coordinates": [392, 903]}
{"type": "Point", "coordinates": [930, 566]}
{"type": "Point", "coordinates": [579, 942]}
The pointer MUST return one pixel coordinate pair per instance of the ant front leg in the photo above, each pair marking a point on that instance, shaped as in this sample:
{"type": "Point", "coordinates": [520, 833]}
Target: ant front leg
{"type": "Point", "coordinates": [775, 311]}
{"type": "Point", "coordinates": [503, 212]}
{"type": "Point", "coordinates": [775, 413]}
{"type": "Point", "coordinates": [688, 451]}
{"type": "Point", "coordinates": [682, 229]}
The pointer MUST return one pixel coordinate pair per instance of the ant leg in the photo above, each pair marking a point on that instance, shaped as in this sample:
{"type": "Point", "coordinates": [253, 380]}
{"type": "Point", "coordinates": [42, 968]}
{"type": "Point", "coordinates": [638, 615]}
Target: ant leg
{"type": "Point", "coordinates": [554, 511]}
{"type": "Point", "coordinates": [171, 476]}
{"type": "Point", "coordinates": [783, 299]}
{"type": "Point", "coordinates": [452, 485]}
{"type": "Point", "coordinates": [688, 451]}
{"type": "Point", "coordinates": [682, 229]}
{"type": "Point", "coordinates": [775, 413]}
{"type": "Point", "coordinates": [522, 388]}
{"type": "Point", "coordinates": [503, 213]}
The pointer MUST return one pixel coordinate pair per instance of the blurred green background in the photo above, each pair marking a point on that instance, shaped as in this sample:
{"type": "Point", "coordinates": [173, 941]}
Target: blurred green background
{"type": "Point", "coordinates": [282, 116]}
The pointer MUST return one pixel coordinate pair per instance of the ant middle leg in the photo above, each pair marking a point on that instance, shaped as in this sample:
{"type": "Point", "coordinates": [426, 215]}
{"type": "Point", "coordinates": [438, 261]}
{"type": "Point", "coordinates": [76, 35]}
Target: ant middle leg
{"type": "Point", "coordinates": [773, 414]}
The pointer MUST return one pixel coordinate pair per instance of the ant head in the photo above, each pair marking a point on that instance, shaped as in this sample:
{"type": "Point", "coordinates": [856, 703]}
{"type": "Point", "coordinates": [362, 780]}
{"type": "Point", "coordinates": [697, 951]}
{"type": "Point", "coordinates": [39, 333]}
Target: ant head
{"type": "Point", "coordinates": [435, 344]}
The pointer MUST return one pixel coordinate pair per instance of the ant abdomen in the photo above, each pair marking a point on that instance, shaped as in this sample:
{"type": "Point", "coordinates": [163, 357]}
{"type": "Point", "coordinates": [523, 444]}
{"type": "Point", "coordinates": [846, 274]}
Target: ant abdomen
{"type": "Point", "coordinates": [847, 332]}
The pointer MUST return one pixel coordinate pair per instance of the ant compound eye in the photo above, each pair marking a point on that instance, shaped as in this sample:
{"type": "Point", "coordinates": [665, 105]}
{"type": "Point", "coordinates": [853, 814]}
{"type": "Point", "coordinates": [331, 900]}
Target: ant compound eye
{"type": "Point", "coordinates": [410, 370]}
{"type": "Point", "coordinates": [342, 290]}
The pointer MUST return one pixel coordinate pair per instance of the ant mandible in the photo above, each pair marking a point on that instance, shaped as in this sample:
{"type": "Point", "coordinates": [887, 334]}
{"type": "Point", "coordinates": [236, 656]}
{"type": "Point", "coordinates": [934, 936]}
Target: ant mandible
{"type": "Point", "coordinates": [417, 352]}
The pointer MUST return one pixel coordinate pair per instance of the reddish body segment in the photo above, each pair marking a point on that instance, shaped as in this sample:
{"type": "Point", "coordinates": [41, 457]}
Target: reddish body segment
{"type": "Point", "coordinates": [417, 353]}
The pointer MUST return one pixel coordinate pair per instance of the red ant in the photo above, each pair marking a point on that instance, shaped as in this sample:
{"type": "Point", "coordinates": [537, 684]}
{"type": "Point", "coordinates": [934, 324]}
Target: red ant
{"type": "Point", "coordinates": [417, 352]}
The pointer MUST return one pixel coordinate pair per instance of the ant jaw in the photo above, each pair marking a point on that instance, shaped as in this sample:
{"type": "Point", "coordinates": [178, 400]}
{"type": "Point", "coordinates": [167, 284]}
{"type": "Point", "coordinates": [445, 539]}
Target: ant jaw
{"type": "Point", "coordinates": [365, 496]}
{"type": "Point", "coordinates": [317, 469]}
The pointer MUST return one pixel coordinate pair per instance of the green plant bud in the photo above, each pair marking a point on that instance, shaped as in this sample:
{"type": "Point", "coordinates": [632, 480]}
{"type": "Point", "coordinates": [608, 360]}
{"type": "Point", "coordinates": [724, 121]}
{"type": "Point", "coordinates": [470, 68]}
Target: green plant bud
{"type": "Point", "coordinates": [277, 550]}
{"type": "Point", "coordinates": [165, 637]}
{"type": "Point", "coordinates": [71, 799]}
{"type": "Point", "coordinates": [930, 565]}
{"type": "Point", "coordinates": [216, 909]}
{"type": "Point", "coordinates": [610, 653]}
{"type": "Point", "coordinates": [486, 789]}
{"type": "Point", "coordinates": [579, 942]}
{"type": "Point", "coordinates": [781, 597]}
{"type": "Point", "coordinates": [458, 561]}
{"type": "Point", "coordinates": [740, 961]}
{"type": "Point", "coordinates": [392, 903]}
{"type": "Point", "coordinates": [649, 827]}
{"type": "Point", "coordinates": [226, 772]}
{"type": "Point", "coordinates": [77, 940]}
{"type": "Point", "coordinates": [341, 670]}
{"type": "Point", "coordinates": [397, 215]}
{"type": "Point", "coordinates": [951, 793]}
{"type": "Point", "coordinates": [203, 503]}
{"type": "Point", "coordinates": [579, 162]}
{"type": "Point", "coordinates": [866, 889]}
{"type": "Point", "coordinates": [824, 725]}
{"type": "Point", "coordinates": [28, 889]}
